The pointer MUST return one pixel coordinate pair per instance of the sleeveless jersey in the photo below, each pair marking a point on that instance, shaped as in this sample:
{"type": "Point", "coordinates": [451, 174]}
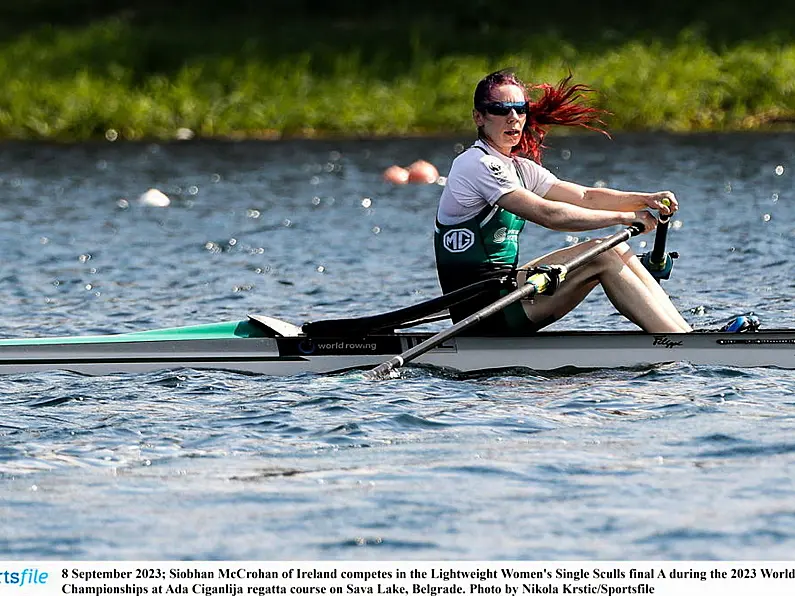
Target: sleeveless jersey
{"type": "Point", "coordinates": [482, 247]}
{"type": "Point", "coordinates": [486, 245]}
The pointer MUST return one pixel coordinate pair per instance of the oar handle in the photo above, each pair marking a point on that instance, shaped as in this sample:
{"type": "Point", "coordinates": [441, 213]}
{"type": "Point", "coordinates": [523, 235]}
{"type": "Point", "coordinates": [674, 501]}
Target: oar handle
{"type": "Point", "coordinates": [658, 255]}
{"type": "Point", "coordinates": [535, 284]}
{"type": "Point", "coordinates": [658, 262]}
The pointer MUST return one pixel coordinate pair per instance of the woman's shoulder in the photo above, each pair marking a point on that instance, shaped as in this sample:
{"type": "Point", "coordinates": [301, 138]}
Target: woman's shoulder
{"type": "Point", "coordinates": [466, 161]}
{"type": "Point", "coordinates": [474, 158]}
{"type": "Point", "coordinates": [471, 152]}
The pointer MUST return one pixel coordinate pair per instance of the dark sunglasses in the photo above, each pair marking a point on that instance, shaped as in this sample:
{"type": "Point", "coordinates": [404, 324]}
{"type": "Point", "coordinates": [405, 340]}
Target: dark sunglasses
{"type": "Point", "coordinates": [503, 108]}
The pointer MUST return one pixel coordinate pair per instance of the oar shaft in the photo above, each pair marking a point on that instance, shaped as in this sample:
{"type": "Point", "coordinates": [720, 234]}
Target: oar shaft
{"type": "Point", "coordinates": [528, 289]}
{"type": "Point", "coordinates": [658, 255]}
{"type": "Point", "coordinates": [603, 246]}
{"type": "Point", "coordinates": [535, 284]}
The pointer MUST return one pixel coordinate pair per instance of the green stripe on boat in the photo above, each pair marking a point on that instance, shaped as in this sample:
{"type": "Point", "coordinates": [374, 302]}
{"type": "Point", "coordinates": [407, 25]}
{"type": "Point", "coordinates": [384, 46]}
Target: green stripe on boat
{"type": "Point", "coordinates": [227, 330]}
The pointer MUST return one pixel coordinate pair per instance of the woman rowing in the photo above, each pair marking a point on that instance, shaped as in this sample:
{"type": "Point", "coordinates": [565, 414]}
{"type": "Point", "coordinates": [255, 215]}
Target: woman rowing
{"type": "Point", "coordinates": [499, 183]}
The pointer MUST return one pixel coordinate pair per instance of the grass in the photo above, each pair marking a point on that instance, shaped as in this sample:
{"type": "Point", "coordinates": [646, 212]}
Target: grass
{"type": "Point", "coordinates": [123, 78]}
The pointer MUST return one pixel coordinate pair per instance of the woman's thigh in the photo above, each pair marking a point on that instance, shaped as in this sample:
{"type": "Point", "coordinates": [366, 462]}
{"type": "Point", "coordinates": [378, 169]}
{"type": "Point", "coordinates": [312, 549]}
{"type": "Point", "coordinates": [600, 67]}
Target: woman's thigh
{"type": "Point", "coordinates": [543, 310]}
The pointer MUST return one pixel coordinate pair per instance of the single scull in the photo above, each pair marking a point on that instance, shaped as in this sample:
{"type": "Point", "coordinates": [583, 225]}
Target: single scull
{"type": "Point", "coordinates": [264, 345]}
{"type": "Point", "coordinates": [269, 346]}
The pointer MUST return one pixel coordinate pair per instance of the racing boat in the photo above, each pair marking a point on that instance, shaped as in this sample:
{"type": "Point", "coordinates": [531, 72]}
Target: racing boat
{"type": "Point", "coordinates": [270, 346]}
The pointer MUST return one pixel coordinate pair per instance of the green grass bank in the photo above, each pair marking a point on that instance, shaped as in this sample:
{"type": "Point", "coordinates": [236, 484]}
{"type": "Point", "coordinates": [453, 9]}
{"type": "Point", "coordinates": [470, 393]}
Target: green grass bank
{"type": "Point", "coordinates": [122, 76]}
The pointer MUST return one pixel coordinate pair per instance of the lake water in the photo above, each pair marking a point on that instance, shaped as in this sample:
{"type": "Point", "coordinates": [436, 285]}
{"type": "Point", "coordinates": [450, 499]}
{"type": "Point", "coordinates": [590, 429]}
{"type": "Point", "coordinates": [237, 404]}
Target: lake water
{"type": "Point", "coordinates": [671, 462]}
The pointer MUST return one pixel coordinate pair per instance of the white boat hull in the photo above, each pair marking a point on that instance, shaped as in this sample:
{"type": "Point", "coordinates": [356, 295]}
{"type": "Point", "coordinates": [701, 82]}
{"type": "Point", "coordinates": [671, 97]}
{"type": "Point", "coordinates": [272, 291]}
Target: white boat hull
{"type": "Point", "coordinates": [299, 354]}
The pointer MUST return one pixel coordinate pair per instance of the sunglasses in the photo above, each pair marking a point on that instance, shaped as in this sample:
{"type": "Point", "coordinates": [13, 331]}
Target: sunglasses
{"type": "Point", "coordinates": [503, 108]}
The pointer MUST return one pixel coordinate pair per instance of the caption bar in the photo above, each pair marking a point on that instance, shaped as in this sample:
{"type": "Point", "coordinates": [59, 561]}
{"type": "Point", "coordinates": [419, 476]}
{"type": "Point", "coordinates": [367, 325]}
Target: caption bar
{"type": "Point", "coordinates": [393, 578]}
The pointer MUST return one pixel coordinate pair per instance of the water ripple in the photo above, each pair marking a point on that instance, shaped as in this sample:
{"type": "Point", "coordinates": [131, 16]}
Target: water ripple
{"type": "Point", "coordinates": [189, 464]}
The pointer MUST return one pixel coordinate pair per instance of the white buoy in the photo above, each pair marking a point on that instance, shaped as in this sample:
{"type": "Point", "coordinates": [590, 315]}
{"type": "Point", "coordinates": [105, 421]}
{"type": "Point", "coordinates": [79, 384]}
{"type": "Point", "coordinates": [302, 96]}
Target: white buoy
{"type": "Point", "coordinates": [154, 198]}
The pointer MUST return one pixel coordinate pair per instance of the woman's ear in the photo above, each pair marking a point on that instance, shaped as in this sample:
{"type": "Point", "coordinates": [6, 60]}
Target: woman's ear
{"type": "Point", "coordinates": [478, 118]}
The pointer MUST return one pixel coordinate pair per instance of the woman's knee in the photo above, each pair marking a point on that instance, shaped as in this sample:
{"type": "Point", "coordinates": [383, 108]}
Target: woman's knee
{"type": "Point", "coordinates": [613, 258]}
{"type": "Point", "coordinates": [625, 251]}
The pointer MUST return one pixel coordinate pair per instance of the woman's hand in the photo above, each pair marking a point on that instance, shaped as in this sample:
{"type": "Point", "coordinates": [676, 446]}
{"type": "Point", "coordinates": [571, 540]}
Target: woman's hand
{"type": "Point", "coordinates": [644, 218]}
{"type": "Point", "coordinates": [664, 201]}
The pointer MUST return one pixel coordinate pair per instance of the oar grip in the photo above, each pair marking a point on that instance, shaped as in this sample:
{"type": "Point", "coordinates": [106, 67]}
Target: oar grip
{"type": "Point", "coordinates": [658, 256]}
{"type": "Point", "coordinates": [657, 261]}
{"type": "Point", "coordinates": [663, 219]}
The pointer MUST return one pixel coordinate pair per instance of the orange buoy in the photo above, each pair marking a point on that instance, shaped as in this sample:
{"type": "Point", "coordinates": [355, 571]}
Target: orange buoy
{"type": "Point", "coordinates": [422, 172]}
{"type": "Point", "coordinates": [396, 175]}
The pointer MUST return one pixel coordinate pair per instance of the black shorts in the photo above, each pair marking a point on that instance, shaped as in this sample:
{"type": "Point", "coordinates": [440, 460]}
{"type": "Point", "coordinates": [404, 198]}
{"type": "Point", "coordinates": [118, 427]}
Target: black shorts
{"type": "Point", "coordinates": [510, 321]}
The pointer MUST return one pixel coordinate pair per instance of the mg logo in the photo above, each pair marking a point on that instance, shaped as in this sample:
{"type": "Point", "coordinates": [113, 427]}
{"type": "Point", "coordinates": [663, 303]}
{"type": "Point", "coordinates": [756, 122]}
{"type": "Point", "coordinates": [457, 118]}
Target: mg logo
{"type": "Point", "coordinates": [458, 240]}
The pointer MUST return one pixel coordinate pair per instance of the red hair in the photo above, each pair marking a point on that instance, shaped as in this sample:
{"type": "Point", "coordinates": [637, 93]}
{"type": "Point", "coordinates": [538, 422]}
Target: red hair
{"type": "Point", "coordinates": [560, 105]}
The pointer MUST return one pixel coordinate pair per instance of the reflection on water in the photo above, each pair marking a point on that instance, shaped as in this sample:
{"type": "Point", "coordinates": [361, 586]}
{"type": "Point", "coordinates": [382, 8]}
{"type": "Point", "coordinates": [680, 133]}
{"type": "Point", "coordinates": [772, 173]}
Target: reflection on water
{"type": "Point", "coordinates": [606, 464]}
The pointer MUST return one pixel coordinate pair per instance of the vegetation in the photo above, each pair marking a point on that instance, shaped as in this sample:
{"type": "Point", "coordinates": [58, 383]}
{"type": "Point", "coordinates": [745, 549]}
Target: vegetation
{"type": "Point", "coordinates": [91, 69]}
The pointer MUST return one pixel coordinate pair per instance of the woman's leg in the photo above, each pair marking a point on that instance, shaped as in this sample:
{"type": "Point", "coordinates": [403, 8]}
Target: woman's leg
{"type": "Point", "coordinates": [661, 298]}
{"type": "Point", "coordinates": [633, 296]}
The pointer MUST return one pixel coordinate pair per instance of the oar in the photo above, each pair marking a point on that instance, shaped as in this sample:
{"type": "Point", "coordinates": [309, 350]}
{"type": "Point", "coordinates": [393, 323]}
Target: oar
{"type": "Point", "coordinates": [535, 284]}
{"type": "Point", "coordinates": [658, 262]}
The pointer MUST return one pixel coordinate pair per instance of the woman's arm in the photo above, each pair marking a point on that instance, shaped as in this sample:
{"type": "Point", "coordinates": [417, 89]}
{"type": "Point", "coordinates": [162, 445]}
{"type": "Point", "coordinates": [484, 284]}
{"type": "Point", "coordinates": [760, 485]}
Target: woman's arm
{"type": "Point", "coordinates": [569, 217]}
{"type": "Point", "coordinates": [610, 199]}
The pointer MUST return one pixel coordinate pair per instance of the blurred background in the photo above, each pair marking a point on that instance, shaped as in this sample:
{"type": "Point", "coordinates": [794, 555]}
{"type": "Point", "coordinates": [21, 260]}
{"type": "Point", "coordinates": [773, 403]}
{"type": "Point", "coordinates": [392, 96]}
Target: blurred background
{"type": "Point", "coordinates": [125, 69]}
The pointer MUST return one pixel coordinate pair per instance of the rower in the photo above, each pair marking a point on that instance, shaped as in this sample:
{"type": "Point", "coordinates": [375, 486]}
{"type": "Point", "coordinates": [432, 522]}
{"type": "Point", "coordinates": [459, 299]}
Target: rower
{"type": "Point", "coordinates": [498, 184]}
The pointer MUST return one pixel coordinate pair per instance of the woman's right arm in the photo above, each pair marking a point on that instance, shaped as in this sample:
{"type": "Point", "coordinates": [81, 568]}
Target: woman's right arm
{"type": "Point", "coordinates": [565, 217]}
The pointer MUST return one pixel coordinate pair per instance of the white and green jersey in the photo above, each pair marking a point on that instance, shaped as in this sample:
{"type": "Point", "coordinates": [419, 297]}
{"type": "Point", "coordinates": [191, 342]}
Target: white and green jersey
{"type": "Point", "coordinates": [474, 237]}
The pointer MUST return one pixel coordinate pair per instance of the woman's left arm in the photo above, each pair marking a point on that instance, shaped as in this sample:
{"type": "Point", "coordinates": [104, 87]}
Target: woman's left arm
{"type": "Point", "coordinates": [609, 199]}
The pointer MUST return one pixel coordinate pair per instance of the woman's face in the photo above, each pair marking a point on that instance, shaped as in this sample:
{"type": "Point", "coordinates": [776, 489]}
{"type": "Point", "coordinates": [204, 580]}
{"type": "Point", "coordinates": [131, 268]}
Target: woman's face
{"type": "Point", "coordinates": [503, 117]}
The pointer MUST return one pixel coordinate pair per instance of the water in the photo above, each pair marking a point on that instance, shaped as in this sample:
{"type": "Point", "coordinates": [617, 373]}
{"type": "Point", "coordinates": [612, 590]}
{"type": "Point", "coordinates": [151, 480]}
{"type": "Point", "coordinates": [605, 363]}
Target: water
{"type": "Point", "coordinates": [673, 462]}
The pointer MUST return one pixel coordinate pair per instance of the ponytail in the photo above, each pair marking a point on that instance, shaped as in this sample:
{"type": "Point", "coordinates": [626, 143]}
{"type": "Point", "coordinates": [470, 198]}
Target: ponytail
{"type": "Point", "coordinates": [561, 106]}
